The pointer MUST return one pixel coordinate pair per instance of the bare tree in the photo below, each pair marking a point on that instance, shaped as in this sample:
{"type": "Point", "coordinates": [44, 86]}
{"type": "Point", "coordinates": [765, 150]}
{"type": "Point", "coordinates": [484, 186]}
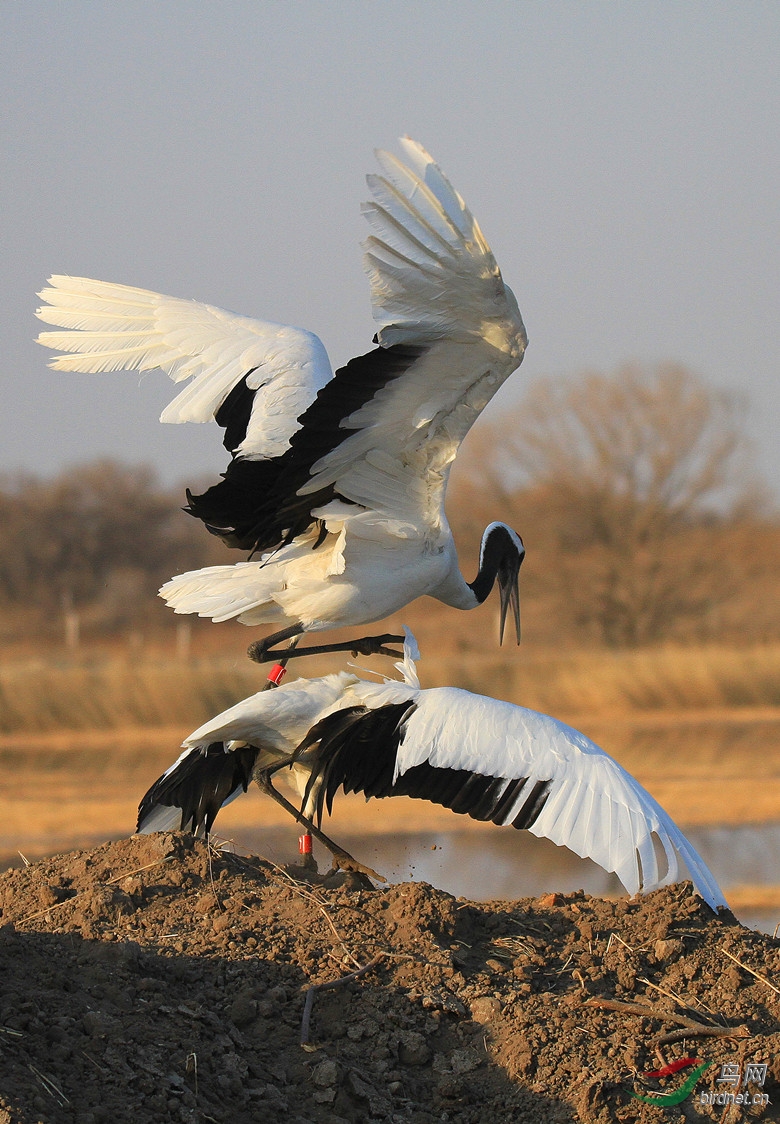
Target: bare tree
{"type": "Point", "coordinates": [608, 478]}
{"type": "Point", "coordinates": [662, 441]}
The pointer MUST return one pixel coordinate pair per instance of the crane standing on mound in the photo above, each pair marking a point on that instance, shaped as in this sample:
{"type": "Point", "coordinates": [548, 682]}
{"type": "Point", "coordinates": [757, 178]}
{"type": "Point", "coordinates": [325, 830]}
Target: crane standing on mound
{"type": "Point", "coordinates": [481, 757]}
{"type": "Point", "coordinates": [336, 483]}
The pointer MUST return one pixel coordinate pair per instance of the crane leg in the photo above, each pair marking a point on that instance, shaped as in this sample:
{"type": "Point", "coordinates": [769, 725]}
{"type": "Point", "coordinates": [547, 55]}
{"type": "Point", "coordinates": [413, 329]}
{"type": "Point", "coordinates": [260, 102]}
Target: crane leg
{"type": "Point", "coordinates": [342, 860]}
{"type": "Point", "coordinates": [262, 651]}
{"type": "Point", "coordinates": [277, 672]}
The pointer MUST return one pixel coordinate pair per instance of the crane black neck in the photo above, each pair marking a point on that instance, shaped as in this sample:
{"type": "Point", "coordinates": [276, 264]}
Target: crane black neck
{"type": "Point", "coordinates": [500, 546]}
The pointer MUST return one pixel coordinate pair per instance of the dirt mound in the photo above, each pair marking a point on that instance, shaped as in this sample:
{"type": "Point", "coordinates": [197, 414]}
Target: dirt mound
{"type": "Point", "coordinates": [149, 980]}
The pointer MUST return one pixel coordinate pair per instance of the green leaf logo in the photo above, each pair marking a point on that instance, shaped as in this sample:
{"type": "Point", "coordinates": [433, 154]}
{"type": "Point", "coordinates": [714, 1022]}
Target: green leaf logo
{"type": "Point", "coordinates": [667, 1100]}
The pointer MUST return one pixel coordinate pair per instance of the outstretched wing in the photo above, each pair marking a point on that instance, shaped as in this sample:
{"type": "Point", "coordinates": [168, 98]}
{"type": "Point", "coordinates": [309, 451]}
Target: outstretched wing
{"type": "Point", "coordinates": [432, 273]}
{"type": "Point", "coordinates": [435, 287]}
{"type": "Point", "coordinates": [383, 433]}
{"type": "Point", "coordinates": [200, 782]}
{"type": "Point", "coordinates": [502, 763]}
{"type": "Point", "coordinates": [254, 377]}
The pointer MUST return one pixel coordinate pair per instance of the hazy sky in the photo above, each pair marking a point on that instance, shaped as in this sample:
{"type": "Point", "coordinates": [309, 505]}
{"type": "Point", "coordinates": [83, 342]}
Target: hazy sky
{"type": "Point", "coordinates": [622, 159]}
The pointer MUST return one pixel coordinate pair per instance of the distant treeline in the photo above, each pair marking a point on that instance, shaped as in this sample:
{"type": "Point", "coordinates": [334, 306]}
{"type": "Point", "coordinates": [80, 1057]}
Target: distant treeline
{"type": "Point", "coordinates": [642, 516]}
{"type": "Point", "coordinates": [641, 520]}
{"type": "Point", "coordinates": [99, 539]}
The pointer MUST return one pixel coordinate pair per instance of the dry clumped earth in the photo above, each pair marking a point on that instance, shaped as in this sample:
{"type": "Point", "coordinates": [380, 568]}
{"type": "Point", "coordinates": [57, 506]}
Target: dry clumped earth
{"type": "Point", "coordinates": [153, 979]}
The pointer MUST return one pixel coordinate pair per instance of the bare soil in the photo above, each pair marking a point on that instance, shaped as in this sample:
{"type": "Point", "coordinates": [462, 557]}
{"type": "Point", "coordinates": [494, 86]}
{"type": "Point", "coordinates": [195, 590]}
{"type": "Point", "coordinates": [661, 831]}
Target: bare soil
{"type": "Point", "coordinates": [152, 979]}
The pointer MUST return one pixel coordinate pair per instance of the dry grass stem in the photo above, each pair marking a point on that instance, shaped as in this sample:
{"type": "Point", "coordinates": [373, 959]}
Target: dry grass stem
{"type": "Point", "coordinates": [97, 1065]}
{"type": "Point", "coordinates": [191, 1066]}
{"type": "Point", "coordinates": [322, 906]}
{"type": "Point", "coordinates": [209, 848]}
{"type": "Point", "coordinates": [48, 909]}
{"type": "Point", "coordinates": [53, 1090]}
{"type": "Point", "coordinates": [617, 937]}
{"type": "Point", "coordinates": [69, 901]}
{"type": "Point", "coordinates": [757, 975]}
{"type": "Point", "coordinates": [671, 995]}
{"type": "Point", "coordinates": [699, 1031]}
{"type": "Point", "coordinates": [137, 870]}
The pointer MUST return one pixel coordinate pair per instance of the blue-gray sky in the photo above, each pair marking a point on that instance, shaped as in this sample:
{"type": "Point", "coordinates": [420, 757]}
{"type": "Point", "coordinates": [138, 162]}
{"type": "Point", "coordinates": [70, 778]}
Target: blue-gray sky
{"type": "Point", "coordinates": [622, 159]}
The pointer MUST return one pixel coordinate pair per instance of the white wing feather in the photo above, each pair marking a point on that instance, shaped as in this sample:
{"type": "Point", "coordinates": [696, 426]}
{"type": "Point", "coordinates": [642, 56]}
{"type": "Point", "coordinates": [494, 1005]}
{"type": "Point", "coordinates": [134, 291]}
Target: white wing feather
{"type": "Point", "coordinates": [594, 807]}
{"type": "Point", "coordinates": [116, 327]}
{"type": "Point", "coordinates": [435, 284]}
{"type": "Point", "coordinates": [431, 270]}
{"type": "Point", "coordinates": [278, 719]}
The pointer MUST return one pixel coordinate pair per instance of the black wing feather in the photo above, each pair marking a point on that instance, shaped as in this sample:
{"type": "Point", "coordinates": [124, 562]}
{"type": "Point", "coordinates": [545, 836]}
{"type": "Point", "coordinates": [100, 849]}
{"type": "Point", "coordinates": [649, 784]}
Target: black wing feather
{"type": "Point", "coordinates": [200, 784]}
{"type": "Point", "coordinates": [357, 748]}
{"type": "Point", "coordinates": [256, 505]}
{"type": "Point", "coordinates": [234, 413]}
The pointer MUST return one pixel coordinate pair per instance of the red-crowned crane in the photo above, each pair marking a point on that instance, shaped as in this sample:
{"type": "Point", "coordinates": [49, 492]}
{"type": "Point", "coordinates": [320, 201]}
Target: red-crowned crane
{"type": "Point", "coordinates": [336, 484]}
{"type": "Point", "coordinates": [487, 759]}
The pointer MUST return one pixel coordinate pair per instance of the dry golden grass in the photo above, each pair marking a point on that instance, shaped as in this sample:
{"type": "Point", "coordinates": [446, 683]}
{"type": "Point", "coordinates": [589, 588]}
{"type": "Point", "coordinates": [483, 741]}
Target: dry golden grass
{"type": "Point", "coordinates": [596, 681]}
{"type": "Point", "coordinates": [745, 898]}
{"type": "Point", "coordinates": [111, 692]}
{"type": "Point", "coordinates": [106, 690]}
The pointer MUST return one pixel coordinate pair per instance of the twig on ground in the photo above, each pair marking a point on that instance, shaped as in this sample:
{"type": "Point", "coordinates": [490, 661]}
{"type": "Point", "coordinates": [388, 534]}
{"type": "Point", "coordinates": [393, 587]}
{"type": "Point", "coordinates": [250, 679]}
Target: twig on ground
{"type": "Point", "coordinates": [692, 1029]}
{"type": "Point", "coordinates": [309, 1003]}
{"type": "Point", "coordinates": [629, 1008]}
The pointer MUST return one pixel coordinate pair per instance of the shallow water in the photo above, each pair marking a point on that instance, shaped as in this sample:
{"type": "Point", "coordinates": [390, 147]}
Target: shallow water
{"type": "Point", "coordinates": [77, 790]}
{"type": "Point", "coordinates": [510, 864]}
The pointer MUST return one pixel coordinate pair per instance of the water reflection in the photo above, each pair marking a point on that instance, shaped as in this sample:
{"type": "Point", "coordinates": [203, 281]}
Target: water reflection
{"type": "Point", "coordinates": [746, 854]}
{"type": "Point", "coordinates": [508, 864]}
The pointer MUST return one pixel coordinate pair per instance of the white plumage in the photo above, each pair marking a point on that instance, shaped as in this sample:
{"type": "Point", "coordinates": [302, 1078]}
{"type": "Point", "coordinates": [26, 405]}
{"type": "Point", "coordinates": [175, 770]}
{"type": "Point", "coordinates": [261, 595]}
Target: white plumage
{"type": "Point", "coordinates": [336, 484]}
{"type": "Point", "coordinates": [274, 722]}
{"type": "Point", "coordinates": [488, 759]}
{"type": "Point", "coordinates": [118, 327]}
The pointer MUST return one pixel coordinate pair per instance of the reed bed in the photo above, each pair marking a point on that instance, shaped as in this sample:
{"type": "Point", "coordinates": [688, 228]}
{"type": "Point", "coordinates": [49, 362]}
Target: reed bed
{"type": "Point", "coordinates": [598, 681]}
{"type": "Point", "coordinates": [107, 691]}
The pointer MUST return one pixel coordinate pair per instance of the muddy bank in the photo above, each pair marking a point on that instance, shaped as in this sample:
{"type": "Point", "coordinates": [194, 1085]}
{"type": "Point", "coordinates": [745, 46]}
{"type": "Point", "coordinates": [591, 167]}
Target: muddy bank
{"type": "Point", "coordinates": [149, 981]}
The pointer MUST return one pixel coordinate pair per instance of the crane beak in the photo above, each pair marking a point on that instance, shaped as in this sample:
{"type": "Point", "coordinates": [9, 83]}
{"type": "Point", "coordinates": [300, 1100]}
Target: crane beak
{"type": "Point", "coordinates": [510, 594]}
